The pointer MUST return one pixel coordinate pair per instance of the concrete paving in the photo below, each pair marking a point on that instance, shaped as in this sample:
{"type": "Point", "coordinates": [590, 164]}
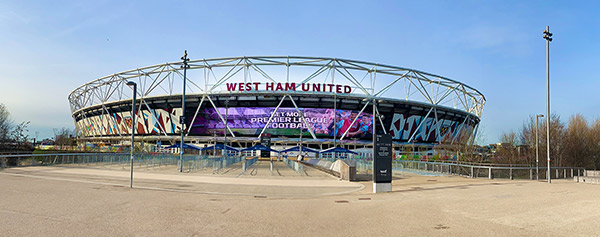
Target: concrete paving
{"type": "Point", "coordinates": [256, 181]}
{"type": "Point", "coordinates": [53, 201]}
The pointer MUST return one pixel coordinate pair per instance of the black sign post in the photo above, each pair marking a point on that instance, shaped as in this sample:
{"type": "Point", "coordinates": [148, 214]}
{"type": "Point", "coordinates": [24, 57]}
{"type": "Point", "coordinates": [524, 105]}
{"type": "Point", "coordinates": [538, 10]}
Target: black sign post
{"type": "Point", "coordinates": [265, 140]}
{"type": "Point", "coordinates": [382, 163]}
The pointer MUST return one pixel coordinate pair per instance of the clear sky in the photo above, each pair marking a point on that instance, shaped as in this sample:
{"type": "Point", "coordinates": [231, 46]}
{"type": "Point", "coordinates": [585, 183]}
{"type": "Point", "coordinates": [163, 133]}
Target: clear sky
{"type": "Point", "coordinates": [48, 48]}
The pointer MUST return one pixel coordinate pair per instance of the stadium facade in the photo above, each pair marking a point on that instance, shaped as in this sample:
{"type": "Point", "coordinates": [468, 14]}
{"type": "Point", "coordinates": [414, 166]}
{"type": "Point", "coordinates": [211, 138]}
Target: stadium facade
{"type": "Point", "coordinates": [324, 99]}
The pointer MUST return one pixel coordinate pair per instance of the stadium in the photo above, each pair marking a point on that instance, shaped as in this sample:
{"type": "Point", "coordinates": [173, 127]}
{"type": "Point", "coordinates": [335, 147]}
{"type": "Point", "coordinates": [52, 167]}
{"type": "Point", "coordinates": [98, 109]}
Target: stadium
{"type": "Point", "coordinates": [323, 102]}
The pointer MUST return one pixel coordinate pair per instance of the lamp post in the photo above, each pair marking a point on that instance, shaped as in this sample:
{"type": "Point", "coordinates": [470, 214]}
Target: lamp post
{"type": "Point", "coordinates": [537, 143]}
{"type": "Point", "coordinates": [301, 131]}
{"type": "Point", "coordinates": [130, 83]}
{"type": "Point", "coordinates": [548, 38]}
{"type": "Point", "coordinates": [185, 66]}
{"type": "Point", "coordinates": [215, 146]}
{"type": "Point", "coordinates": [225, 128]}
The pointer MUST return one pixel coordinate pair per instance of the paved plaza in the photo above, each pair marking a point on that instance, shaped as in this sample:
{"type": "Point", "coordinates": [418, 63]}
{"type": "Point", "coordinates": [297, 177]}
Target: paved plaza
{"type": "Point", "coordinates": [76, 201]}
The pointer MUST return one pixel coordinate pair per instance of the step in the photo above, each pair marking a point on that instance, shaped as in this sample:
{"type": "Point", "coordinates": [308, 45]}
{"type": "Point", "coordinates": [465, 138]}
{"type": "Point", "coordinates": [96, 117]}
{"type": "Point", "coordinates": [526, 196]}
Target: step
{"type": "Point", "coordinates": [587, 179]}
{"type": "Point", "coordinates": [592, 173]}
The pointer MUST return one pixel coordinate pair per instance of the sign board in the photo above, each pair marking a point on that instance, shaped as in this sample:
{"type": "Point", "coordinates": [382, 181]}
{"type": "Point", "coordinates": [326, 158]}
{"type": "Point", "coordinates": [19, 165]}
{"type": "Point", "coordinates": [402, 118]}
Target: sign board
{"type": "Point", "coordinates": [382, 164]}
{"type": "Point", "coordinates": [265, 140]}
{"type": "Point", "coordinates": [289, 86]}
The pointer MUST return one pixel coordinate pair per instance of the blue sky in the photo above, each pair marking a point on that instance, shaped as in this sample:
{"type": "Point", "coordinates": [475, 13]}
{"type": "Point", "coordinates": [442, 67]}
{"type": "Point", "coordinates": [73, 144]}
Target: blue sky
{"type": "Point", "coordinates": [48, 48]}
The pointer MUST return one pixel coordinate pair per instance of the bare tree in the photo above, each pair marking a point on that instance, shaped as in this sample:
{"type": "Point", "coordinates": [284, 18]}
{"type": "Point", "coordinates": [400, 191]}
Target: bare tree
{"type": "Point", "coordinates": [5, 124]}
{"type": "Point", "coordinates": [576, 142]}
{"type": "Point", "coordinates": [557, 131]}
{"type": "Point", "coordinates": [594, 145]}
{"type": "Point", "coordinates": [507, 150]}
{"type": "Point", "coordinates": [557, 146]}
{"type": "Point", "coordinates": [19, 134]}
{"type": "Point", "coordinates": [64, 137]}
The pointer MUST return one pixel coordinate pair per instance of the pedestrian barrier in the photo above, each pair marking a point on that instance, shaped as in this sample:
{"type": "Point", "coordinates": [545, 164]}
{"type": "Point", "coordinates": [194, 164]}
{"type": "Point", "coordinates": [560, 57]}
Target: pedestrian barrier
{"type": "Point", "coordinates": [248, 162]}
{"type": "Point", "coordinates": [296, 166]}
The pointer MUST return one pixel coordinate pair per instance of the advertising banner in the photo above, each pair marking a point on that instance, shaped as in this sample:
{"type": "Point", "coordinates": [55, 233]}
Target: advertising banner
{"type": "Point", "coordinates": [284, 122]}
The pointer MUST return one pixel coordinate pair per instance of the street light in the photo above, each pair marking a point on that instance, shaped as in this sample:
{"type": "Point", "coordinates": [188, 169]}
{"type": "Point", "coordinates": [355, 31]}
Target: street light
{"type": "Point", "coordinates": [225, 128]}
{"type": "Point", "coordinates": [130, 83]}
{"type": "Point", "coordinates": [537, 143]}
{"type": "Point", "coordinates": [302, 131]}
{"type": "Point", "coordinates": [547, 37]}
{"type": "Point", "coordinates": [185, 66]}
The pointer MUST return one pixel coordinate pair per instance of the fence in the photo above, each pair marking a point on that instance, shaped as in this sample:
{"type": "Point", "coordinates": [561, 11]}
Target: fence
{"type": "Point", "coordinates": [491, 171]}
{"type": "Point", "coordinates": [248, 162]}
{"type": "Point", "coordinates": [473, 170]}
{"type": "Point", "coordinates": [191, 163]}
{"type": "Point", "coordinates": [296, 166]}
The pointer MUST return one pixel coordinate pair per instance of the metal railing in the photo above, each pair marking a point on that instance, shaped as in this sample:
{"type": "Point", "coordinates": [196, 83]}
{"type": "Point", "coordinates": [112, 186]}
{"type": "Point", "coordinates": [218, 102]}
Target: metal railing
{"type": "Point", "coordinates": [491, 171]}
{"type": "Point", "coordinates": [473, 170]}
{"type": "Point", "coordinates": [192, 163]}
{"type": "Point", "coordinates": [296, 166]}
{"type": "Point", "coordinates": [247, 163]}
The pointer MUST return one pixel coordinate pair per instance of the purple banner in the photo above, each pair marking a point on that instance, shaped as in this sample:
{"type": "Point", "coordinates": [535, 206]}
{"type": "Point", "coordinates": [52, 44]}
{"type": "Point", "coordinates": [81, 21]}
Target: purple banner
{"type": "Point", "coordinates": [285, 121]}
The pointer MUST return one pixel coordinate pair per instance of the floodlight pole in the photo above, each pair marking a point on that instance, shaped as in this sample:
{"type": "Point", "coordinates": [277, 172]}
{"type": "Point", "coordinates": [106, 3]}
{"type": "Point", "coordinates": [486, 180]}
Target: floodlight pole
{"type": "Point", "coordinates": [537, 144]}
{"type": "Point", "coordinates": [130, 83]}
{"type": "Point", "coordinates": [185, 66]}
{"type": "Point", "coordinates": [547, 37]}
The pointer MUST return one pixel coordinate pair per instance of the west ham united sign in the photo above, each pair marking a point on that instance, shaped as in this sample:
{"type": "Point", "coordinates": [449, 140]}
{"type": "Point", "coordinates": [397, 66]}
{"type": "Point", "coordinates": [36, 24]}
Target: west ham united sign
{"type": "Point", "coordinates": [287, 86]}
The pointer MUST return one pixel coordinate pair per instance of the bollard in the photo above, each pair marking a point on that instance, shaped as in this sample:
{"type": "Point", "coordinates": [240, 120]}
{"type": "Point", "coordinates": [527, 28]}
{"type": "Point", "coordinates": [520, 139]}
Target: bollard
{"type": "Point", "coordinates": [490, 173]}
{"type": "Point", "coordinates": [510, 174]}
{"type": "Point", "coordinates": [578, 174]}
{"type": "Point", "coordinates": [556, 173]}
{"type": "Point", "coordinates": [571, 172]}
{"type": "Point", "coordinates": [471, 171]}
{"type": "Point", "coordinates": [531, 174]}
{"type": "Point", "coordinates": [565, 173]}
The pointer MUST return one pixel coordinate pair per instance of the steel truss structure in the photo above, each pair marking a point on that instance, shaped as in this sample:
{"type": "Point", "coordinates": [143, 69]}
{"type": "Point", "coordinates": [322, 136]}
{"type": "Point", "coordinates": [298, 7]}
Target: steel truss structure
{"type": "Point", "coordinates": [209, 77]}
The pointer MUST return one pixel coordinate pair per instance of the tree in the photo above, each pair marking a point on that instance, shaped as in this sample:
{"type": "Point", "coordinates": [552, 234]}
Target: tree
{"type": "Point", "coordinates": [594, 145]}
{"type": "Point", "coordinates": [19, 134]}
{"type": "Point", "coordinates": [64, 137]}
{"type": "Point", "coordinates": [507, 150]}
{"type": "Point", "coordinates": [557, 133]}
{"type": "Point", "coordinates": [5, 124]}
{"type": "Point", "coordinates": [576, 142]}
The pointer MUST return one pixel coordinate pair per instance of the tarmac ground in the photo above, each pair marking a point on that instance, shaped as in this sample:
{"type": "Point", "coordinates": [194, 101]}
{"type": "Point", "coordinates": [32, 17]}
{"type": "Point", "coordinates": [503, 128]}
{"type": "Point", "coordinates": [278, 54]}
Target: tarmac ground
{"type": "Point", "coordinates": [91, 201]}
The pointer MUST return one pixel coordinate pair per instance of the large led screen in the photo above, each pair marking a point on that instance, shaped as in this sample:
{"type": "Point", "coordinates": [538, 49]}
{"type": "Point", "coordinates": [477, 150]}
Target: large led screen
{"type": "Point", "coordinates": [284, 122]}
